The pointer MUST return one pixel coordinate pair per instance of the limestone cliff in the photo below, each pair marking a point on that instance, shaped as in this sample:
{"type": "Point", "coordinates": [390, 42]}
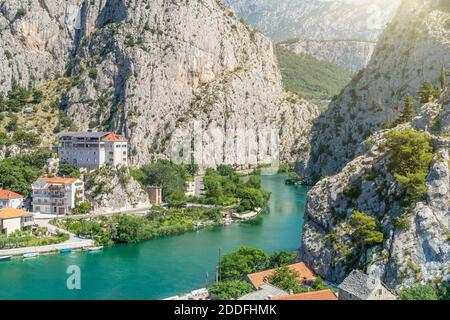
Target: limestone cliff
{"type": "Point", "coordinates": [156, 70]}
{"type": "Point", "coordinates": [415, 245]}
{"type": "Point", "coordinates": [36, 38]}
{"type": "Point", "coordinates": [315, 19]}
{"type": "Point", "coordinates": [352, 54]}
{"type": "Point", "coordinates": [412, 50]}
{"type": "Point", "coordinates": [111, 190]}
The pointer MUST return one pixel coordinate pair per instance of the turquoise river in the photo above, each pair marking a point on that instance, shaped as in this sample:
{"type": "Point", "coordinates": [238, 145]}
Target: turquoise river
{"type": "Point", "coordinates": [161, 267]}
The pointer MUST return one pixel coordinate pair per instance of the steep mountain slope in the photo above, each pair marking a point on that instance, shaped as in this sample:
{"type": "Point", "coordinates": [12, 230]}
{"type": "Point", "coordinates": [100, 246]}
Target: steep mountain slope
{"type": "Point", "coordinates": [351, 54]}
{"type": "Point", "coordinates": [315, 19]}
{"type": "Point", "coordinates": [412, 49]}
{"type": "Point", "coordinates": [384, 205]}
{"type": "Point", "coordinates": [310, 77]}
{"type": "Point", "coordinates": [161, 72]}
{"type": "Point", "coordinates": [164, 74]}
{"type": "Point", "coordinates": [35, 40]}
{"type": "Point", "coordinates": [367, 217]}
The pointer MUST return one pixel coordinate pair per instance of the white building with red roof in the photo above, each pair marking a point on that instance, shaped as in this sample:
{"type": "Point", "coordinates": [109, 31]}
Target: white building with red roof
{"type": "Point", "coordinates": [91, 149]}
{"type": "Point", "coordinates": [56, 195]}
{"type": "Point", "coordinates": [10, 199]}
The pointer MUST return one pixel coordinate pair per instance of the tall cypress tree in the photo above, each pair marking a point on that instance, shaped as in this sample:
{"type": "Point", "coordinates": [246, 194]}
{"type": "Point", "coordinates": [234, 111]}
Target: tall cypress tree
{"type": "Point", "coordinates": [443, 77]}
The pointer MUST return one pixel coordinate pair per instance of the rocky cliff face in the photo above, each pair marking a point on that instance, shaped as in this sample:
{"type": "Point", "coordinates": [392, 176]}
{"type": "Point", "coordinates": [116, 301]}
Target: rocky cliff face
{"type": "Point", "coordinates": [114, 190]}
{"type": "Point", "coordinates": [36, 38]}
{"type": "Point", "coordinates": [154, 71]}
{"type": "Point", "coordinates": [418, 251]}
{"type": "Point", "coordinates": [314, 19]}
{"type": "Point", "coordinates": [160, 72]}
{"type": "Point", "coordinates": [352, 54]}
{"type": "Point", "coordinates": [412, 49]}
{"type": "Point", "coordinates": [349, 148]}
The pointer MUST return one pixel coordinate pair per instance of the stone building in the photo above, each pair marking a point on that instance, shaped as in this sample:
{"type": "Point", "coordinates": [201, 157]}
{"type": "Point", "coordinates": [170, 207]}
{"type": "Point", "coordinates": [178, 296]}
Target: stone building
{"type": "Point", "coordinates": [360, 286]}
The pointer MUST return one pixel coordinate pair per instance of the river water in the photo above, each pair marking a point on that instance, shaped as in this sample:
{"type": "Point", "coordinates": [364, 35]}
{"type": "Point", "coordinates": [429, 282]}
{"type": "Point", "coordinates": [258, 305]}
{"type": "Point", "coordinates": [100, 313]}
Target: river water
{"type": "Point", "coordinates": [161, 267]}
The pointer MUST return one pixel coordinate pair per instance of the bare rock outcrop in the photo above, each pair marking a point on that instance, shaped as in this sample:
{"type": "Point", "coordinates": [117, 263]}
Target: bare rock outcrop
{"type": "Point", "coordinates": [418, 250]}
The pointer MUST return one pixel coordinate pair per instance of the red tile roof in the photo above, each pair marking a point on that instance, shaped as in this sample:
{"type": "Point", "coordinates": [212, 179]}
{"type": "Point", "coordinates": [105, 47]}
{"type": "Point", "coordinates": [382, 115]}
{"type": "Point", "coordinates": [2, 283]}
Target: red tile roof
{"type": "Point", "coordinates": [316, 295]}
{"type": "Point", "coordinates": [114, 137]}
{"type": "Point", "coordinates": [11, 213]}
{"type": "Point", "coordinates": [305, 274]}
{"type": "Point", "coordinates": [58, 180]}
{"type": "Point", "coordinates": [7, 194]}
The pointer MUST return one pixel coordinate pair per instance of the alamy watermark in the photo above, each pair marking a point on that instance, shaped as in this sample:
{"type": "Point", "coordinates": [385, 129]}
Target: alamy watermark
{"type": "Point", "coordinates": [73, 282]}
{"type": "Point", "coordinates": [240, 147]}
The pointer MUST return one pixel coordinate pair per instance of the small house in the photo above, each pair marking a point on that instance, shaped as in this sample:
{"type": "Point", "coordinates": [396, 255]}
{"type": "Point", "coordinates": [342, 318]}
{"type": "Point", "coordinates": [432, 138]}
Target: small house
{"type": "Point", "coordinates": [360, 286]}
{"type": "Point", "coordinates": [12, 220]}
{"type": "Point", "coordinates": [9, 199]}
{"type": "Point", "coordinates": [305, 275]}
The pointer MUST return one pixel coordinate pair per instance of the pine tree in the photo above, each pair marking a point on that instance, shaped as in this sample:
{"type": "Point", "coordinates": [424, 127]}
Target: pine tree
{"type": "Point", "coordinates": [408, 112]}
{"type": "Point", "coordinates": [443, 78]}
{"type": "Point", "coordinates": [427, 92]}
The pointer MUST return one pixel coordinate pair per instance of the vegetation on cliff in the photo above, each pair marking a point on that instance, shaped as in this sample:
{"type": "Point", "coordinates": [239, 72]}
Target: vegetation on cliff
{"type": "Point", "coordinates": [311, 78]}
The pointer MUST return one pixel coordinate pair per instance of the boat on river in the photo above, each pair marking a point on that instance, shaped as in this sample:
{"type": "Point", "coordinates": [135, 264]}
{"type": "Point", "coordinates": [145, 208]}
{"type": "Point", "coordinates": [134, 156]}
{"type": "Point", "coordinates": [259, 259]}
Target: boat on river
{"type": "Point", "coordinates": [5, 258]}
{"type": "Point", "coordinates": [31, 255]}
{"type": "Point", "coordinates": [95, 249]}
{"type": "Point", "coordinates": [65, 250]}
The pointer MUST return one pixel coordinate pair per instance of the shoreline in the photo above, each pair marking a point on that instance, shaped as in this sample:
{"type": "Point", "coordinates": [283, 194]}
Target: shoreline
{"type": "Point", "coordinates": [53, 248]}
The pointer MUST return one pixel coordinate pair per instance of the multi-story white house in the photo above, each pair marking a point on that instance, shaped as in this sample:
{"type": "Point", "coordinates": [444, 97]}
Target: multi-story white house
{"type": "Point", "coordinates": [91, 149]}
{"type": "Point", "coordinates": [56, 195]}
{"type": "Point", "coordinates": [9, 199]}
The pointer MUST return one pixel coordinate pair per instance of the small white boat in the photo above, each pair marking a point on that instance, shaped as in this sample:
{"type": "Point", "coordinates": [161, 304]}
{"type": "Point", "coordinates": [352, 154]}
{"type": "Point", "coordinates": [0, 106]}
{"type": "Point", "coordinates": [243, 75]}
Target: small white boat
{"type": "Point", "coordinates": [31, 255]}
{"type": "Point", "coordinates": [95, 249]}
{"type": "Point", "coordinates": [5, 258]}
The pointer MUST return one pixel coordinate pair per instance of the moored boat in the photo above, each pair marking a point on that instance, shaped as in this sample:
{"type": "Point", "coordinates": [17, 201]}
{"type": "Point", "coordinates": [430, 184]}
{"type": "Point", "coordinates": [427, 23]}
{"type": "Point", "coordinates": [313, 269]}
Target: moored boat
{"type": "Point", "coordinates": [95, 249]}
{"type": "Point", "coordinates": [65, 250]}
{"type": "Point", "coordinates": [5, 258]}
{"type": "Point", "coordinates": [30, 255]}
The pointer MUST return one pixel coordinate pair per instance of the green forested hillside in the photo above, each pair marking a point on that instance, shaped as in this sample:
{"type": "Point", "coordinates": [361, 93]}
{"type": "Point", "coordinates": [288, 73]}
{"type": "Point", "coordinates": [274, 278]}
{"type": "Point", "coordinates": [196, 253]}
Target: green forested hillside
{"type": "Point", "coordinates": [311, 78]}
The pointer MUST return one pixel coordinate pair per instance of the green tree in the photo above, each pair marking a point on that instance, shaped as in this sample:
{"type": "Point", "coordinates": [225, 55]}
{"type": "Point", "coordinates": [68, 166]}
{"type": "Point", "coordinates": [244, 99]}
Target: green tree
{"type": "Point", "coordinates": [18, 173]}
{"type": "Point", "coordinates": [402, 223]}
{"type": "Point", "coordinates": [427, 92]}
{"type": "Point", "coordinates": [419, 292]}
{"type": "Point", "coordinates": [12, 125]}
{"type": "Point", "coordinates": [82, 208]}
{"type": "Point", "coordinates": [236, 265]}
{"type": "Point", "coordinates": [170, 176]}
{"type": "Point", "coordinates": [408, 112]}
{"type": "Point", "coordinates": [25, 139]}
{"type": "Point", "coordinates": [286, 279]}
{"type": "Point", "coordinates": [127, 229]}
{"type": "Point", "coordinates": [365, 229]}
{"type": "Point", "coordinates": [252, 198]}
{"type": "Point", "coordinates": [282, 258]}
{"type": "Point", "coordinates": [411, 153]}
{"type": "Point", "coordinates": [4, 139]}
{"type": "Point", "coordinates": [254, 182]}
{"type": "Point", "coordinates": [228, 290]}
{"type": "Point", "coordinates": [68, 170]}
{"type": "Point", "coordinates": [226, 170]}
{"type": "Point", "coordinates": [443, 78]}
{"type": "Point", "coordinates": [192, 168]}
{"type": "Point", "coordinates": [177, 199]}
